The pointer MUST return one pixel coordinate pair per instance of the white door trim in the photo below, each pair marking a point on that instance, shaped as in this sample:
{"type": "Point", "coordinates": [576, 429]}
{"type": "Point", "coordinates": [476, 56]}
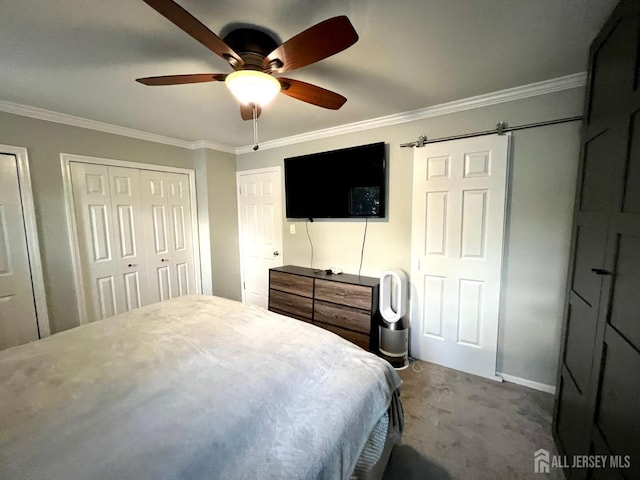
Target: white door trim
{"type": "Point", "coordinates": [277, 170]}
{"type": "Point", "coordinates": [33, 244]}
{"type": "Point", "coordinates": [72, 224]}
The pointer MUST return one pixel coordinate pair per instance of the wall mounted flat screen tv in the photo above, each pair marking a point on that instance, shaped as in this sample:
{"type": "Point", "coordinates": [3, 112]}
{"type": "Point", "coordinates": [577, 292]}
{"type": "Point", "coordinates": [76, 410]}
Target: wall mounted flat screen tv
{"type": "Point", "coordinates": [345, 183]}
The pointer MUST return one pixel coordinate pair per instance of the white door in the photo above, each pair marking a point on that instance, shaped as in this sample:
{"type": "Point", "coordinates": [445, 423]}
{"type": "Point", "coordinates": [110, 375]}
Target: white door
{"type": "Point", "coordinates": [18, 321]}
{"type": "Point", "coordinates": [108, 210]}
{"type": "Point", "coordinates": [459, 190]}
{"type": "Point", "coordinates": [131, 263]}
{"type": "Point", "coordinates": [169, 236]}
{"type": "Point", "coordinates": [260, 211]}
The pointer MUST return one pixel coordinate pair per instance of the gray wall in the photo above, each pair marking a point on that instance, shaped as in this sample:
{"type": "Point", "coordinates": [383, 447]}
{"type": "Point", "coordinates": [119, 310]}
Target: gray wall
{"type": "Point", "coordinates": [223, 224]}
{"type": "Point", "coordinates": [46, 140]}
{"type": "Point", "coordinates": [544, 163]}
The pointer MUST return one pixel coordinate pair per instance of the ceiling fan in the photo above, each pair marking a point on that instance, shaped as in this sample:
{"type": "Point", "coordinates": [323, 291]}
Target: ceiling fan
{"type": "Point", "coordinates": [256, 57]}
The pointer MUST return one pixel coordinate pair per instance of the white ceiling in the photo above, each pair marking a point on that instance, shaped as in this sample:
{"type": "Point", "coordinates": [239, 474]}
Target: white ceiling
{"type": "Point", "coordinates": [80, 57]}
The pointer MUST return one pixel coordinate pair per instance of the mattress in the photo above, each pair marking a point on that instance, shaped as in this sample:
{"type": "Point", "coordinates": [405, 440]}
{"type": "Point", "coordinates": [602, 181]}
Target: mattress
{"type": "Point", "coordinates": [195, 387]}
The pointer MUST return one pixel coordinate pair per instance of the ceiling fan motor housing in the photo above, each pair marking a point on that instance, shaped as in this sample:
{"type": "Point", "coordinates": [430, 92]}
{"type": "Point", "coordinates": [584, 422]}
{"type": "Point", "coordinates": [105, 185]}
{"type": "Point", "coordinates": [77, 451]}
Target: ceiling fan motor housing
{"type": "Point", "coordinates": [252, 45]}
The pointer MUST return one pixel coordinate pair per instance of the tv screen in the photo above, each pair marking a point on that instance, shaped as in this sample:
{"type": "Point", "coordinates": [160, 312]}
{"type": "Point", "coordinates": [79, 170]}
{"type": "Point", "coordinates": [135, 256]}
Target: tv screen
{"type": "Point", "coordinates": [345, 183]}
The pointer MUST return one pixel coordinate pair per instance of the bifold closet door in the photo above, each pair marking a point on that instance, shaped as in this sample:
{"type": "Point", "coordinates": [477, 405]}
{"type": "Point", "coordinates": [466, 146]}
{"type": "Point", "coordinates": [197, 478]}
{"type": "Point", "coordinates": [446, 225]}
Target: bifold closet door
{"type": "Point", "coordinates": [108, 210]}
{"type": "Point", "coordinates": [169, 235]}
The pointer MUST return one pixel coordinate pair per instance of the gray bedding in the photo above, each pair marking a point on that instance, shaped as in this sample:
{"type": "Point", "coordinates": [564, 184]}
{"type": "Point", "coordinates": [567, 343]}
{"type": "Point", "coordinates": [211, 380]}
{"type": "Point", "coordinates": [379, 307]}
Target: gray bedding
{"type": "Point", "coordinates": [196, 387]}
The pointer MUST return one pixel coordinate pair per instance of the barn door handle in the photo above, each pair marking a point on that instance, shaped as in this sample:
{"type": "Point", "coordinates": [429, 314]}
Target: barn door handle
{"type": "Point", "coordinates": [601, 271]}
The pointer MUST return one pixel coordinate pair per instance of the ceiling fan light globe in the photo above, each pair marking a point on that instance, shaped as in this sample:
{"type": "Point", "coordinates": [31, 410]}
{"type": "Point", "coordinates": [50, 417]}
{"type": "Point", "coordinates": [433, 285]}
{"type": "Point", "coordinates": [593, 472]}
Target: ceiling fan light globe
{"type": "Point", "coordinates": [252, 87]}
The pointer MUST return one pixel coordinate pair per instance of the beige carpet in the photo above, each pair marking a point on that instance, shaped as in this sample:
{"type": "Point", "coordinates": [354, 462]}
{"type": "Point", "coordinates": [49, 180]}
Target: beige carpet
{"type": "Point", "coordinates": [459, 426]}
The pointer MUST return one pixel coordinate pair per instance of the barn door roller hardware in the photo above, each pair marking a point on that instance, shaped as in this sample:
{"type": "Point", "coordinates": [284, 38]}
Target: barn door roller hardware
{"type": "Point", "coordinates": [501, 129]}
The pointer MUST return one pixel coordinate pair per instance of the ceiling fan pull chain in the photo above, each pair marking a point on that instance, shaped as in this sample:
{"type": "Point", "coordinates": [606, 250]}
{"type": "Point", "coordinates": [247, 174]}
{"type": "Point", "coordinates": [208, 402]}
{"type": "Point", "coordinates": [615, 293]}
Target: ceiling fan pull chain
{"type": "Point", "coordinates": [255, 127]}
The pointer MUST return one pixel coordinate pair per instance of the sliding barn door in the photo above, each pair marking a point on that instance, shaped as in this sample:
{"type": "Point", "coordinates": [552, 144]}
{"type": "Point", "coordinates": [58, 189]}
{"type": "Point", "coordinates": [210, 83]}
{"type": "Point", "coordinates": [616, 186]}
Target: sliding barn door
{"type": "Point", "coordinates": [457, 242]}
{"type": "Point", "coordinates": [169, 239]}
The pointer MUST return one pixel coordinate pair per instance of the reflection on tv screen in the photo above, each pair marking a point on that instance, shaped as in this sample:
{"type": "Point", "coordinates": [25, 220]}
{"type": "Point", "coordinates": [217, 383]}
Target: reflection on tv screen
{"type": "Point", "coordinates": [364, 201]}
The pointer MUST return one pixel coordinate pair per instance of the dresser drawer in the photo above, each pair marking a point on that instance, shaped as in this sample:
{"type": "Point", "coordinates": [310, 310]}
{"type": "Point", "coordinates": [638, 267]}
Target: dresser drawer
{"type": "Point", "coordinates": [344, 294]}
{"type": "Point", "coordinates": [341, 316]}
{"type": "Point", "coordinates": [359, 339]}
{"type": "Point", "coordinates": [290, 304]}
{"type": "Point", "coordinates": [287, 282]}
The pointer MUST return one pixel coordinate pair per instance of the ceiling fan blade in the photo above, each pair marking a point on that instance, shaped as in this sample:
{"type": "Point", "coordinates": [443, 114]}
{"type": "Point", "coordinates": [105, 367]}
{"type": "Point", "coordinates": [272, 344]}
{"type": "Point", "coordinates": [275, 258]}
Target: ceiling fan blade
{"type": "Point", "coordinates": [316, 43]}
{"type": "Point", "coordinates": [194, 27]}
{"type": "Point", "coordinates": [311, 93]}
{"type": "Point", "coordinates": [246, 112]}
{"type": "Point", "coordinates": [182, 79]}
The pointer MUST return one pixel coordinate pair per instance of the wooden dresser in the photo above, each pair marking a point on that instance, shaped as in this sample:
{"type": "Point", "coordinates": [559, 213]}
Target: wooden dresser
{"type": "Point", "coordinates": [344, 304]}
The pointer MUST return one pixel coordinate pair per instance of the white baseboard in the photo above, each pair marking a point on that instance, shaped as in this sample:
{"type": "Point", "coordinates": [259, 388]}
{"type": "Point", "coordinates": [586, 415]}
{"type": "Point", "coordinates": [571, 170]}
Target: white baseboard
{"type": "Point", "coordinates": [528, 383]}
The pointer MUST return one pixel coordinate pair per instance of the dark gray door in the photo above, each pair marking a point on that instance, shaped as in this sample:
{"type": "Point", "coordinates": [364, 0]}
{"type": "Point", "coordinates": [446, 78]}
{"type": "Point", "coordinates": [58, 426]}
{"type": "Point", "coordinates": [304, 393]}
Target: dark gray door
{"type": "Point", "coordinates": [598, 403]}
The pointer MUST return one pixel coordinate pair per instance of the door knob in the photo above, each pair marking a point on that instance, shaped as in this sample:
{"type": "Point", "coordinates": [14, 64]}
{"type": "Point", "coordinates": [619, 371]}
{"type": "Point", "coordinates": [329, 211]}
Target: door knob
{"type": "Point", "coordinates": [276, 253]}
{"type": "Point", "coordinates": [600, 271]}
{"type": "Point", "coordinates": [164, 259]}
{"type": "Point", "coordinates": [132, 265]}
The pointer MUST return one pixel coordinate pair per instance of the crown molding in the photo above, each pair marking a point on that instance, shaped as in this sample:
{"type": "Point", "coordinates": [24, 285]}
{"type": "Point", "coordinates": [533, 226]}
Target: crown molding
{"type": "Point", "coordinates": [559, 84]}
{"type": "Point", "coordinates": [534, 89]}
{"type": "Point", "coordinates": [212, 146]}
{"type": "Point", "coordinates": [65, 119]}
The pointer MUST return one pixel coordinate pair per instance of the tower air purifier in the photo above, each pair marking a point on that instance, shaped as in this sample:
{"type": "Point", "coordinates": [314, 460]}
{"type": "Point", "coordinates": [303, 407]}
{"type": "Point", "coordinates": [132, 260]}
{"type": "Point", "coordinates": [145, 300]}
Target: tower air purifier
{"type": "Point", "coordinates": [394, 326]}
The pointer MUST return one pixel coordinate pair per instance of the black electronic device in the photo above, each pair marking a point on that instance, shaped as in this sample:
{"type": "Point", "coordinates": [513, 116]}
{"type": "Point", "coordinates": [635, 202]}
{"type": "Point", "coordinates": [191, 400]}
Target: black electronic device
{"type": "Point", "coordinates": [345, 183]}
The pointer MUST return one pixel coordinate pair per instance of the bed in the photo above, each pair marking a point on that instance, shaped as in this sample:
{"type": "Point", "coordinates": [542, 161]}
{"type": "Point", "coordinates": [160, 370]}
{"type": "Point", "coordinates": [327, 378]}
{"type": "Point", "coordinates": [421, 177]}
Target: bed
{"type": "Point", "coordinates": [196, 387]}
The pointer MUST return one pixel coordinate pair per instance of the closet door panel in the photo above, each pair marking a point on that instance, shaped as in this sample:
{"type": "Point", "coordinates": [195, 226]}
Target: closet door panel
{"type": "Point", "coordinates": [597, 181]}
{"type": "Point", "coordinates": [160, 243]}
{"type": "Point", "coordinates": [631, 200]}
{"type": "Point", "coordinates": [181, 240]}
{"type": "Point", "coordinates": [107, 292]}
{"type": "Point", "coordinates": [154, 198]}
{"type": "Point", "coordinates": [99, 231]}
{"type": "Point", "coordinates": [617, 414]}
{"type": "Point", "coordinates": [613, 71]}
{"type": "Point", "coordinates": [170, 255]}
{"type": "Point", "coordinates": [625, 297]}
{"type": "Point", "coordinates": [97, 240]}
{"type": "Point", "coordinates": [108, 210]}
{"type": "Point", "coordinates": [571, 410]}
{"type": "Point", "coordinates": [163, 279]}
{"type": "Point", "coordinates": [581, 331]}
{"type": "Point", "coordinates": [133, 295]}
{"type": "Point", "coordinates": [590, 242]}
{"type": "Point", "coordinates": [126, 204]}
{"type": "Point", "coordinates": [184, 286]}
{"type": "Point", "coordinates": [591, 219]}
